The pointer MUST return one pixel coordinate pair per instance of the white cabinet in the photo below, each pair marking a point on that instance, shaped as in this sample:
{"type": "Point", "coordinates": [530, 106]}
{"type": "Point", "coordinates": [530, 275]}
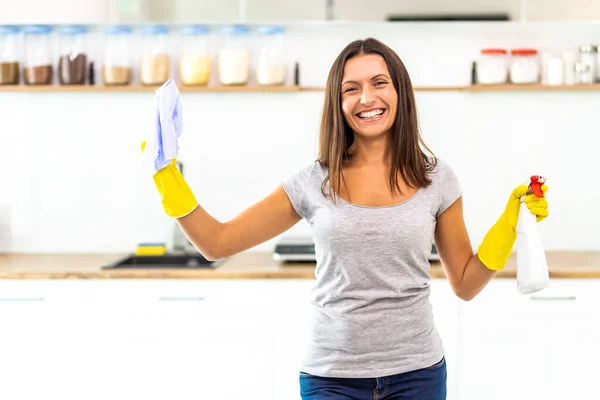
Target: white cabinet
{"type": "Point", "coordinates": [231, 339]}
{"type": "Point", "coordinates": [186, 339]}
{"type": "Point", "coordinates": [167, 339]}
{"type": "Point", "coordinates": [445, 307]}
{"type": "Point", "coordinates": [43, 351]}
{"type": "Point", "coordinates": [291, 318]}
{"type": "Point", "coordinates": [123, 339]}
{"type": "Point", "coordinates": [523, 347]}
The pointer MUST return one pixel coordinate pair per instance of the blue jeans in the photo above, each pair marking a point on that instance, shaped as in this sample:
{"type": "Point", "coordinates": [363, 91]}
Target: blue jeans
{"type": "Point", "coordinates": [423, 384]}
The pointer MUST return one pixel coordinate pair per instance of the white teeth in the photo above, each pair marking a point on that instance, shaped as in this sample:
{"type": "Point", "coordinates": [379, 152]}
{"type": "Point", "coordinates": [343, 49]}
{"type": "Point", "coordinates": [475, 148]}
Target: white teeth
{"type": "Point", "coordinates": [370, 114]}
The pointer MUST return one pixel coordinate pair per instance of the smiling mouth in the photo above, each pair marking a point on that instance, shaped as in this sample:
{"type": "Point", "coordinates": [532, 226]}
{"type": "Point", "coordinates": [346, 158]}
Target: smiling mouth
{"type": "Point", "coordinates": [371, 115]}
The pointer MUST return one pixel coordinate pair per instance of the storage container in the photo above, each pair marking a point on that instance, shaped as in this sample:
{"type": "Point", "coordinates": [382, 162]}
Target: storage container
{"type": "Point", "coordinates": [117, 68]}
{"type": "Point", "coordinates": [271, 67]}
{"type": "Point", "coordinates": [155, 55]}
{"type": "Point", "coordinates": [37, 63]}
{"type": "Point", "coordinates": [492, 66]}
{"type": "Point", "coordinates": [234, 56]}
{"type": "Point", "coordinates": [194, 65]}
{"type": "Point", "coordinates": [73, 61]}
{"type": "Point", "coordinates": [9, 55]}
{"type": "Point", "coordinates": [588, 57]}
{"type": "Point", "coordinates": [525, 66]}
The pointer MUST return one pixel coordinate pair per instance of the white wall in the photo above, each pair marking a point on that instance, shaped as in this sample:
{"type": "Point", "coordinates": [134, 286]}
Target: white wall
{"type": "Point", "coordinates": [102, 11]}
{"type": "Point", "coordinates": [54, 11]}
{"type": "Point", "coordinates": [70, 161]}
{"type": "Point", "coordinates": [363, 10]}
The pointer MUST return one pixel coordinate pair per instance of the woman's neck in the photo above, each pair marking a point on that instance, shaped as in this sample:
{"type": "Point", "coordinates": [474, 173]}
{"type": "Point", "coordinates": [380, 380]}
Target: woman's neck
{"type": "Point", "coordinates": [372, 152]}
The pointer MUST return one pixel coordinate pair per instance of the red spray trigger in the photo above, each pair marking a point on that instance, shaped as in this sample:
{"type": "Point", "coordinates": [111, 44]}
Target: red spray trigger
{"type": "Point", "coordinates": [536, 185]}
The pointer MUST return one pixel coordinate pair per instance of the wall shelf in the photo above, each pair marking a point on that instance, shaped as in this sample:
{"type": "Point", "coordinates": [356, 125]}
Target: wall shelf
{"type": "Point", "coordinates": [531, 88]}
{"type": "Point", "coordinates": [256, 88]}
{"type": "Point", "coordinates": [140, 88]}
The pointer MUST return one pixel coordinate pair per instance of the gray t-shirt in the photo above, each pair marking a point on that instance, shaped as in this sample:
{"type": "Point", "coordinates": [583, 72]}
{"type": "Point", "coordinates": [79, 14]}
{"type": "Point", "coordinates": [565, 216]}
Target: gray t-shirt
{"type": "Point", "coordinates": [371, 315]}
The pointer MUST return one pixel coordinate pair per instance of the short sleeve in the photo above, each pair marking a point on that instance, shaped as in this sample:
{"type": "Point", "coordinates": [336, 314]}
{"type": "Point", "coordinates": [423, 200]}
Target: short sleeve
{"type": "Point", "coordinates": [449, 187]}
{"type": "Point", "coordinates": [297, 188]}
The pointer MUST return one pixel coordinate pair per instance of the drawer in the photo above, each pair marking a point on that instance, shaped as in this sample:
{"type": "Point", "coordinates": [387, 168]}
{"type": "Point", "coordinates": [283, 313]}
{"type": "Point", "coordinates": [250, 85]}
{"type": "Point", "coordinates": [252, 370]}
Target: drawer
{"type": "Point", "coordinates": [563, 296]}
{"type": "Point", "coordinates": [46, 290]}
{"type": "Point", "coordinates": [216, 293]}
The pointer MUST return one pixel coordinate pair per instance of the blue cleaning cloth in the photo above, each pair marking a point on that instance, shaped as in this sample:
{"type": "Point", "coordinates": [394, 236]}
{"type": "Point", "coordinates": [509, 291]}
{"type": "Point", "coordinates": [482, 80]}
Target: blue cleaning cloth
{"type": "Point", "coordinates": [161, 145]}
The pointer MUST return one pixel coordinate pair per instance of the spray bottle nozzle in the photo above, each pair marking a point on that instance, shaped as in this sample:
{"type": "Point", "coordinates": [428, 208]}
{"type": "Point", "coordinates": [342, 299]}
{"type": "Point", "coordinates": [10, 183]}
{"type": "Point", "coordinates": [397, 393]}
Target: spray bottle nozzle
{"type": "Point", "coordinates": [535, 186]}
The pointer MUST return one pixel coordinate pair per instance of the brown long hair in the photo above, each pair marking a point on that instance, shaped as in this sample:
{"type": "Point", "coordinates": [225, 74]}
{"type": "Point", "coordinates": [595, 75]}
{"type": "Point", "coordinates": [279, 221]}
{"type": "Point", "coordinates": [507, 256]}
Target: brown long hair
{"type": "Point", "coordinates": [336, 136]}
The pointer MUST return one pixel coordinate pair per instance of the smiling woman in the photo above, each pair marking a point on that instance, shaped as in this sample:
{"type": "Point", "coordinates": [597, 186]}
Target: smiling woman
{"type": "Point", "coordinates": [372, 331]}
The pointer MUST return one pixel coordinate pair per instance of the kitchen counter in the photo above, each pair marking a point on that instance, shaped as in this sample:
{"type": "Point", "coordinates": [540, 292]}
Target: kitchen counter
{"type": "Point", "coordinates": [247, 265]}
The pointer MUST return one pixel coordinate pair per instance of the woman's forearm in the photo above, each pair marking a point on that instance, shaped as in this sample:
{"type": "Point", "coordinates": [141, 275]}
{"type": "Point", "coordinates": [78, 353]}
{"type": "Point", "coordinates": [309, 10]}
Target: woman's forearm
{"type": "Point", "coordinates": [475, 277]}
{"type": "Point", "coordinates": [203, 231]}
{"type": "Point", "coordinates": [258, 223]}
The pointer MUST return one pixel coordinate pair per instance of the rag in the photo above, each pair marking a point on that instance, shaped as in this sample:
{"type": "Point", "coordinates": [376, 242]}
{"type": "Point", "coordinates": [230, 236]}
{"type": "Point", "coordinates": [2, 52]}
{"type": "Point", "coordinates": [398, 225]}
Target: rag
{"type": "Point", "coordinates": [161, 145]}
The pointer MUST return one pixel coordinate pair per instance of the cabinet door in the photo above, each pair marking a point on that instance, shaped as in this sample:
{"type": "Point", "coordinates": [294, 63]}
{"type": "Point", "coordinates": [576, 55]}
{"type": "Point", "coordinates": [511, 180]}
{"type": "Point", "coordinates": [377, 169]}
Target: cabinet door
{"type": "Point", "coordinates": [291, 318]}
{"type": "Point", "coordinates": [445, 314]}
{"type": "Point", "coordinates": [42, 340]}
{"type": "Point", "coordinates": [539, 346]}
{"type": "Point", "coordinates": [192, 339]}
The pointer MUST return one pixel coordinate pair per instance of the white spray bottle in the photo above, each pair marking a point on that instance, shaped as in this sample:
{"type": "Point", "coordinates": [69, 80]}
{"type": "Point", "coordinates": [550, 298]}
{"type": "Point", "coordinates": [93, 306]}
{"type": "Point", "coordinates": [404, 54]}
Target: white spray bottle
{"type": "Point", "coordinates": [532, 268]}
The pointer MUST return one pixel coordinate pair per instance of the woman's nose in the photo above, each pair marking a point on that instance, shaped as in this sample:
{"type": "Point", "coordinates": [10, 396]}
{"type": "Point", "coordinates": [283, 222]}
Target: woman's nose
{"type": "Point", "coordinates": [366, 96]}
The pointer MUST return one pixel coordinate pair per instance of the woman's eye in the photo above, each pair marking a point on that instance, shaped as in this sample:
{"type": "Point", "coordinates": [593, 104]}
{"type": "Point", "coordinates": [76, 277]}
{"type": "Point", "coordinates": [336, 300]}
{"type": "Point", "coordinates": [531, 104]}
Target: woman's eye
{"type": "Point", "coordinates": [379, 83]}
{"type": "Point", "coordinates": [349, 90]}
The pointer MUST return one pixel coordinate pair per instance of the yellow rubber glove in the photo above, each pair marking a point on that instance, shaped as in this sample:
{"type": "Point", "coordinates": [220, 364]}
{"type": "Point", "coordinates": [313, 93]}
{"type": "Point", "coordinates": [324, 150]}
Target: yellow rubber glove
{"type": "Point", "coordinates": [177, 197]}
{"type": "Point", "coordinates": [500, 239]}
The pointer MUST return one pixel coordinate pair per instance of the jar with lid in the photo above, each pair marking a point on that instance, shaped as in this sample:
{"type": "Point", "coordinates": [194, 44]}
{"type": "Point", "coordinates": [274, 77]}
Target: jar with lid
{"type": "Point", "coordinates": [583, 74]}
{"type": "Point", "coordinates": [37, 64]}
{"type": "Point", "coordinates": [155, 64]}
{"type": "Point", "coordinates": [72, 64]}
{"type": "Point", "coordinates": [194, 66]}
{"type": "Point", "coordinates": [271, 68]}
{"type": "Point", "coordinates": [9, 55]}
{"type": "Point", "coordinates": [117, 68]}
{"type": "Point", "coordinates": [588, 57]}
{"type": "Point", "coordinates": [525, 66]}
{"type": "Point", "coordinates": [234, 56]}
{"type": "Point", "coordinates": [492, 66]}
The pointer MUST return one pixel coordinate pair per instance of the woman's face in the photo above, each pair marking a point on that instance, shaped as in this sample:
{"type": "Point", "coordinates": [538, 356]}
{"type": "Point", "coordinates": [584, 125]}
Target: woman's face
{"type": "Point", "coordinates": [369, 100]}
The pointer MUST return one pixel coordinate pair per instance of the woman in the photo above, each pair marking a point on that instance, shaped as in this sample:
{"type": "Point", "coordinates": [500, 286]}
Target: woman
{"type": "Point", "coordinates": [375, 201]}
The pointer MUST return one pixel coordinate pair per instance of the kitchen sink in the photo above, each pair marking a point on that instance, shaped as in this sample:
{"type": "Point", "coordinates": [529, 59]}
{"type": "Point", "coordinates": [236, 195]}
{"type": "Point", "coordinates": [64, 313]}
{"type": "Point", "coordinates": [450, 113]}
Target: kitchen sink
{"type": "Point", "coordinates": [186, 261]}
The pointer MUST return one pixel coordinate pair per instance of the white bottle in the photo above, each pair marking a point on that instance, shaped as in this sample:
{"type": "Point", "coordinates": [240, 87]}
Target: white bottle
{"type": "Point", "coordinates": [555, 71]}
{"type": "Point", "coordinates": [532, 268]}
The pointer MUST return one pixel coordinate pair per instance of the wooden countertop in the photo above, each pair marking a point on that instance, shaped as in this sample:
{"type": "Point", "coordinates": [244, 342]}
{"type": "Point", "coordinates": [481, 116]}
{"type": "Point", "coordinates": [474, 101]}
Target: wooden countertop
{"type": "Point", "coordinates": [247, 265]}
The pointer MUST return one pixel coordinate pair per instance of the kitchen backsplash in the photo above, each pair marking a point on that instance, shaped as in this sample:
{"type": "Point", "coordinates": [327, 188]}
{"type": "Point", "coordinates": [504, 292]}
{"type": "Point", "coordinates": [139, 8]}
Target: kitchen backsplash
{"type": "Point", "coordinates": [70, 160]}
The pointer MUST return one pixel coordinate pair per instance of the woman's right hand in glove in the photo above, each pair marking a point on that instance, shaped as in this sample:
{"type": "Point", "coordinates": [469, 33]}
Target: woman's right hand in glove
{"type": "Point", "coordinates": [177, 197]}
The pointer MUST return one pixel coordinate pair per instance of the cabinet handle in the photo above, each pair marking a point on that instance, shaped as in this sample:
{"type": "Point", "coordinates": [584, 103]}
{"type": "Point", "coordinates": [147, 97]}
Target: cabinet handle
{"type": "Point", "coordinates": [551, 298]}
{"type": "Point", "coordinates": [21, 299]}
{"type": "Point", "coordinates": [168, 298]}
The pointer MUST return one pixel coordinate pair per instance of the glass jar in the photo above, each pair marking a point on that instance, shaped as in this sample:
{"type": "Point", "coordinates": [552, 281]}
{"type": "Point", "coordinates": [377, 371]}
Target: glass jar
{"type": "Point", "coordinates": [37, 64]}
{"type": "Point", "coordinates": [588, 57]}
{"type": "Point", "coordinates": [9, 55]}
{"type": "Point", "coordinates": [72, 64]}
{"type": "Point", "coordinates": [155, 57]}
{"type": "Point", "coordinates": [492, 67]}
{"type": "Point", "coordinates": [234, 56]}
{"type": "Point", "coordinates": [194, 66]}
{"type": "Point", "coordinates": [271, 68]}
{"type": "Point", "coordinates": [117, 69]}
{"type": "Point", "coordinates": [583, 74]}
{"type": "Point", "coordinates": [525, 66]}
